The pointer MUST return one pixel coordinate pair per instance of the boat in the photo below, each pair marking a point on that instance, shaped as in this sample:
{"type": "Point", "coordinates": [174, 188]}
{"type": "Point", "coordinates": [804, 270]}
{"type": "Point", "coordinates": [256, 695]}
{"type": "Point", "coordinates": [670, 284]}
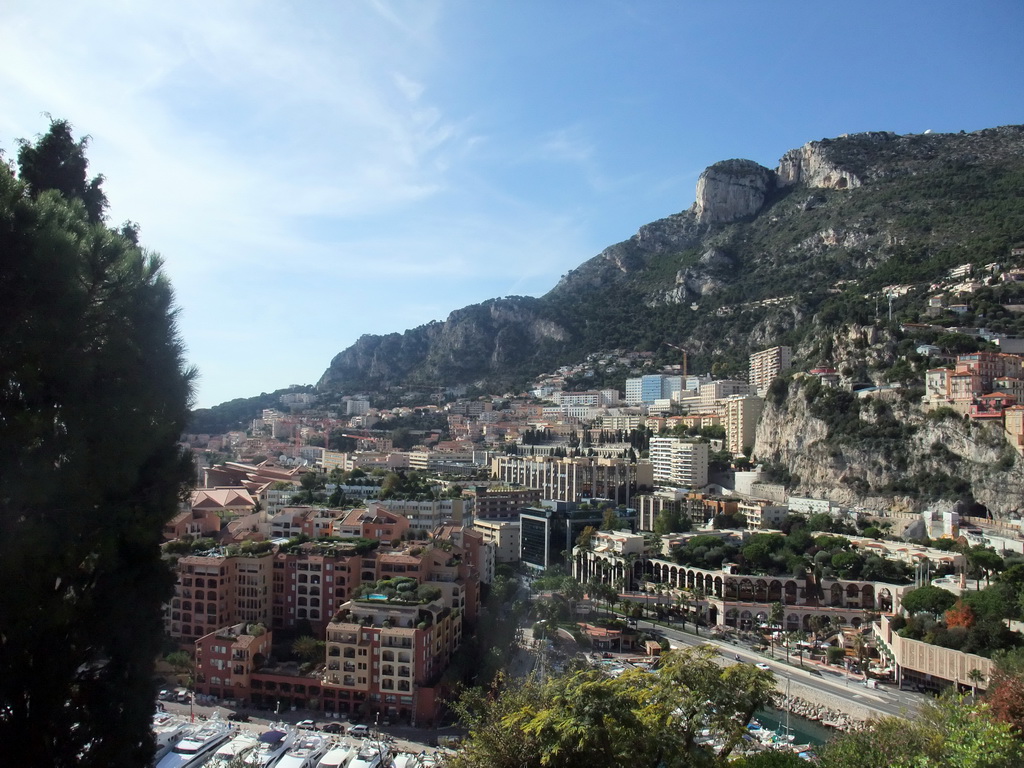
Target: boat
{"type": "Point", "coordinates": [241, 745]}
{"type": "Point", "coordinates": [196, 744]}
{"type": "Point", "coordinates": [167, 731]}
{"type": "Point", "coordinates": [372, 754]}
{"type": "Point", "coordinates": [272, 744]}
{"type": "Point", "coordinates": [339, 755]}
{"type": "Point", "coordinates": [304, 752]}
{"type": "Point", "coordinates": [405, 760]}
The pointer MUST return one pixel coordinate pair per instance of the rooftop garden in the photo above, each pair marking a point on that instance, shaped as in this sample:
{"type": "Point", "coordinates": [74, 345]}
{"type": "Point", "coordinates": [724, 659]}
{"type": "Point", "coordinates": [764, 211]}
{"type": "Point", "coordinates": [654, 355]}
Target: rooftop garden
{"type": "Point", "coordinates": [808, 545]}
{"type": "Point", "coordinates": [356, 545]}
{"type": "Point", "coordinates": [400, 589]}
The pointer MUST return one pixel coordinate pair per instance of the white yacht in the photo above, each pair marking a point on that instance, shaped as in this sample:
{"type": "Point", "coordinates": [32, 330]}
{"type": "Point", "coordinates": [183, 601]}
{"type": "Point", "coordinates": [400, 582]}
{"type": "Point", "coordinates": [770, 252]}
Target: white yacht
{"type": "Point", "coordinates": [338, 756]}
{"type": "Point", "coordinates": [304, 751]}
{"type": "Point", "coordinates": [272, 744]}
{"type": "Point", "coordinates": [197, 744]}
{"type": "Point", "coordinates": [167, 731]}
{"type": "Point", "coordinates": [405, 760]}
{"type": "Point", "coordinates": [243, 743]}
{"type": "Point", "coordinates": [372, 754]}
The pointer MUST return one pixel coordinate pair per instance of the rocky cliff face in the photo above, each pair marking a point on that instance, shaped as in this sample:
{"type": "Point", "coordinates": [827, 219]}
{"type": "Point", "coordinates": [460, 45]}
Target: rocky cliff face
{"type": "Point", "coordinates": [870, 473]}
{"type": "Point", "coordinates": [731, 190]}
{"type": "Point", "coordinates": [472, 342]}
{"type": "Point", "coordinates": [810, 165]}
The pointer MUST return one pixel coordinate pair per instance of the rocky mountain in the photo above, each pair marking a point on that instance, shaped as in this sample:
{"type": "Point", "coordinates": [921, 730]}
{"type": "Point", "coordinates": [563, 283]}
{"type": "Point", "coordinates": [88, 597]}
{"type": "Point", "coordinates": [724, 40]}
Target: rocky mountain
{"type": "Point", "coordinates": [762, 256]}
{"type": "Point", "coordinates": [815, 253]}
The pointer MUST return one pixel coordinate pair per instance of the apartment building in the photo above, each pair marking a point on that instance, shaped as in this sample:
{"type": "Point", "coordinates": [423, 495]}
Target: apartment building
{"type": "Point", "coordinates": [373, 522]}
{"type": "Point", "coordinates": [503, 536]}
{"type": "Point", "coordinates": [679, 463]}
{"type": "Point", "coordinates": [387, 657]}
{"type": "Point", "coordinates": [650, 505]}
{"type": "Point", "coordinates": [575, 479]}
{"type": "Point", "coordinates": [697, 507]}
{"type": "Point", "coordinates": [216, 590]}
{"type": "Point", "coordinates": [760, 513]}
{"type": "Point", "coordinates": [500, 502]}
{"type": "Point", "coordinates": [741, 414]}
{"type": "Point", "coordinates": [226, 660]}
{"type": "Point", "coordinates": [766, 365]}
{"type": "Point", "coordinates": [424, 516]}
{"type": "Point", "coordinates": [720, 389]}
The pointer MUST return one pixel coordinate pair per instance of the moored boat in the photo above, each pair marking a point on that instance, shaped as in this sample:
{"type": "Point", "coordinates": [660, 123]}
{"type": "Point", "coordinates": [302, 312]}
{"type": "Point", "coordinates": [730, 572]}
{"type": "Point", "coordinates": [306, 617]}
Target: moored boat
{"type": "Point", "coordinates": [272, 744]}
{"type": "Point", "coordinates": [304, 751]}
{"type": "Point", "coordinates": [339, 755]}
{"type": "Point", "coordinates": [196, 744]}
{"type": "Point", "coordinates": [242, 744]}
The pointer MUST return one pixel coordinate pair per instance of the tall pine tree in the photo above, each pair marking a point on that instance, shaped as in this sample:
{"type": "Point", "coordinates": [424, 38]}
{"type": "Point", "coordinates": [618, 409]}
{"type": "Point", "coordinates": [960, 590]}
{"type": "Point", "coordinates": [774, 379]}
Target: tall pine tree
{"type": "Point", "coordinates": [93, 396]}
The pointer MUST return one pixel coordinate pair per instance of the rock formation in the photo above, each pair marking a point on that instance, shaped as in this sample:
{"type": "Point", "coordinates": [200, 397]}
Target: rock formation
{"type": "Point", "coordinates": [731, 190]}
{"type": "Point", "coordinates": [810, 165]}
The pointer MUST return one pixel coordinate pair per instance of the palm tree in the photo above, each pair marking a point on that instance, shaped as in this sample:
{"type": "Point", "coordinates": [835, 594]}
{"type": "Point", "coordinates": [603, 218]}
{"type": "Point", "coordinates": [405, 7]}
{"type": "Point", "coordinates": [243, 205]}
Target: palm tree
{"type": "Point", "coordinates": [860, 648]}
{"type": "Point", "coordinates": [308, 648]}
{"type": "Point", "coordinates": [683, 604]}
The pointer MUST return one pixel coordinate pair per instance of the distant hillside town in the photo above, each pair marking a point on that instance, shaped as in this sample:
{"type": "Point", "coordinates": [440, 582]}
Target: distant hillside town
{"type": "Point", "coordinates": [376, 530]}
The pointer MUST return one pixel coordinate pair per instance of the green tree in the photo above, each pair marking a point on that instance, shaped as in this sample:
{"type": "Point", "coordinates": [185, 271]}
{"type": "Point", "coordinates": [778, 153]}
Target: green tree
{"type": "Point", "coordinates": [637, 719]}
{"type": "Point", "coordinates": [93, 397]}
{"type": "Point", "coordinates": [57, 162]}
{"type": "Point", "coordinates": [611, 520]}
{"type": "Point", "coordinates": [184, 666]}
{"type": "Point", "coordinates": [928, 599]}
{"type": "Point", "coordinates": [949, 733]}
{"type": "Point", "coordinates": [308, 648]}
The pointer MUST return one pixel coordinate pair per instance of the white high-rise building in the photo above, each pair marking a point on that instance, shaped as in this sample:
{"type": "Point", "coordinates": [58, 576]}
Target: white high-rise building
{"type": "Point", "coordinates": [679, 463]}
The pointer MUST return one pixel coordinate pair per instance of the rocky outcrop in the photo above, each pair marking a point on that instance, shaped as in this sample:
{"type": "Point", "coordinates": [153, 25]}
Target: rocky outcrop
{"type": "Point", "coordinates": [731, 190]}
{"type": "Point", "coordinates": [476, 340]}
{"type": "Point", "coordinates": [811, 166]}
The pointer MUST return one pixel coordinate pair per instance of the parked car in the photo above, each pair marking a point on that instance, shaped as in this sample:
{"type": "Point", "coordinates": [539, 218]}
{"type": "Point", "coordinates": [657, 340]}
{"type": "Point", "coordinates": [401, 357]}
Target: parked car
{"type": "Point", "coordinates": [333, 728]}
{"type": "Point", "coordinates": [239, 717]}
{"type": "Point", "coordinates": [359, 730]}
{"type": "Point", "coordinates": [308, 725]}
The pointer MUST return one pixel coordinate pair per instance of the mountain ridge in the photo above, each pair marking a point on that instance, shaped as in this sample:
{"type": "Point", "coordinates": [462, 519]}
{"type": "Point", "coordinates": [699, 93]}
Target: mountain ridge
{"type": "Point", "coordinates": [864, 209]}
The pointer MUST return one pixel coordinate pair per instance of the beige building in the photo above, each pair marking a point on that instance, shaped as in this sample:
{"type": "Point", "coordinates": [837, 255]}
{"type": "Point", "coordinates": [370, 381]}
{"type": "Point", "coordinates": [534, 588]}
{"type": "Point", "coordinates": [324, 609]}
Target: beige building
{"type": "Point", "coordinates": [931, 666]}
{"type": "Point", "coordinates": [741, 416]}
{"type": "Point", "coordinates": [503, 535]}
{"type": "Point", "coordinates": [714, 391]}
{"type": "Point", "coordinates": [768, 364]}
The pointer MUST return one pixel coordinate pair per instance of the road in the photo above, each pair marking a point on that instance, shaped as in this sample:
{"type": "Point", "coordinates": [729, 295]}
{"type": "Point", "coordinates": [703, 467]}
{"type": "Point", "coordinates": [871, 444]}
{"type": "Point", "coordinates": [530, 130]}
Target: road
{"type": "Point", "coordinates": [885, 700]}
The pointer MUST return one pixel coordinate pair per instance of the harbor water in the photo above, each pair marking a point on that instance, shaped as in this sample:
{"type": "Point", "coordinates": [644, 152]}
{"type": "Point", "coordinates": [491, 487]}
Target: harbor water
{"type": "Point", "coordinates": [804, 731]}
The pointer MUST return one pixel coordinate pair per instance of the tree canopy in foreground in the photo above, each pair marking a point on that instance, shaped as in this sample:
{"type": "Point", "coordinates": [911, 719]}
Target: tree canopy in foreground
{"type": "Point", "coordinates": [637, 719]}
{"type": "Point", "coordinates": [93, 397]}
{"type": "Point", "coordinates": [663, 719]}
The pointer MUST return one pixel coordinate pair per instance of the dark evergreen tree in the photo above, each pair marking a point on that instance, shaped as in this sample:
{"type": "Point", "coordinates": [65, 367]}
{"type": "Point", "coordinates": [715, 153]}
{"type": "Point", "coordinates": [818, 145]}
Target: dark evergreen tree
{"type": "Point", "coordinates": [56, 161]}
{"type": "Point", "coordinates": [93, 396]}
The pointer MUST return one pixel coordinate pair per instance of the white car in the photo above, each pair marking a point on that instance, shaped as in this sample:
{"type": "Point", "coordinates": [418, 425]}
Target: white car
{"type": "Point", "coordinates": [762, 665]}
{"type": "Point", "coordinates": [309, 725]}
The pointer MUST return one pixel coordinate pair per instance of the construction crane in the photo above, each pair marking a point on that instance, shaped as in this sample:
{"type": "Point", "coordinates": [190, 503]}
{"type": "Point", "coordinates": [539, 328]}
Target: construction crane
{"type": "Point", "coordinates": [667, 344]}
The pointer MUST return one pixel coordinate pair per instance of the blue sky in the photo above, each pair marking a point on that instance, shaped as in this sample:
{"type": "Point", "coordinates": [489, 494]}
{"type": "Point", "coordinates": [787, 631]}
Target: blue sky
{"type": "Point", "coordinates": [313, 171]}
